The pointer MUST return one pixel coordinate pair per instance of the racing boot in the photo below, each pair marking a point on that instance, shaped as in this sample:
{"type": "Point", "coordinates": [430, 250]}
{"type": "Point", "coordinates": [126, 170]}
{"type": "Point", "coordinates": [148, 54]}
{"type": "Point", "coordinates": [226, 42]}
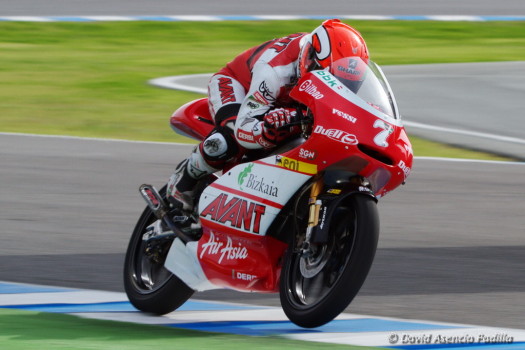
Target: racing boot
{"type": "Point", "coordinates": [180, 187]}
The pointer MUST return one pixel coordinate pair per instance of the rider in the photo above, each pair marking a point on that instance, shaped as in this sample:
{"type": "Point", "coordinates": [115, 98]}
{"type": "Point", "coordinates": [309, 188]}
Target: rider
{"type": "Point", "coordinates": [250, 104]}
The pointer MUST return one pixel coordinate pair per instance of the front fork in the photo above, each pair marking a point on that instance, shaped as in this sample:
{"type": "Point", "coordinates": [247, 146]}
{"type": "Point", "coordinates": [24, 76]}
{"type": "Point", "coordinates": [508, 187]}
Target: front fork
{"type": "Point", "coordinates": [314, 205]}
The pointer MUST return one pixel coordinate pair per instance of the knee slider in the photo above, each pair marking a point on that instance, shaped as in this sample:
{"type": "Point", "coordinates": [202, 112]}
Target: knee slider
{"type": "Point", "coordinates": [219, 146]}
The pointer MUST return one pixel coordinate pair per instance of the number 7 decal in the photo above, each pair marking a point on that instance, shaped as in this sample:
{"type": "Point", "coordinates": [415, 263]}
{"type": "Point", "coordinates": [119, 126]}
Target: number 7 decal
{"type": "Point", "coordinates": [382, 136]}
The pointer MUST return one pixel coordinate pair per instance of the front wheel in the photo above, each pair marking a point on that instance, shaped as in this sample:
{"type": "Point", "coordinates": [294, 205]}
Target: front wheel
{"type": "Point", "coordinates": [318, 284]}
{"type": "Point", "coordinates": [149, 286]}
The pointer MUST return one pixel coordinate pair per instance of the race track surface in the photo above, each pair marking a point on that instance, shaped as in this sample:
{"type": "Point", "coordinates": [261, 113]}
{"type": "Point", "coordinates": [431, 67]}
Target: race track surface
{"type": "Point", "coordinates": [239, 7]}
{"type": "Point", "coordinates": [451, 248]}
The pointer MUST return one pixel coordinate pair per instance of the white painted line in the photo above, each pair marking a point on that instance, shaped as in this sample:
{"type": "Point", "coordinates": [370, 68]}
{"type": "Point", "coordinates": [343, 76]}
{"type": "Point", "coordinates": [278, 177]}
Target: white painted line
{"type": "Point", "coordinates": [255, 18]}
{"type": "Point", "coordinates": [463, 160]}
{"type": "Point", "coordinates": [26, 19]}
{"type": "Point", "coordinates": [195, 18]}
{"type": "Point", "coordinates": [456, 18]}
{"type": "Point", "coordinates": [75, 296]}
{"type": "Point", "coordinates": [173, 82]}
{"type": "Point", "coordinates": [193, 145]}
{"type": "Point", "coordinates": [109, 18]}
{"type": "Point", "coordinates": [464, 132]}
{"type": "Point", "coordinates": [212, 316]}
{"type": "Point", "coordinates": [96, 139]}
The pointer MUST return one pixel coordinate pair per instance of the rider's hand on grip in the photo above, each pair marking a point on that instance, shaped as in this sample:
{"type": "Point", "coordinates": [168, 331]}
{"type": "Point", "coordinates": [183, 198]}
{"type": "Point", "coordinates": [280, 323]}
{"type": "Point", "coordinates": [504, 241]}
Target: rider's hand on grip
{"type": "Point", "coordinates": [276, 126]}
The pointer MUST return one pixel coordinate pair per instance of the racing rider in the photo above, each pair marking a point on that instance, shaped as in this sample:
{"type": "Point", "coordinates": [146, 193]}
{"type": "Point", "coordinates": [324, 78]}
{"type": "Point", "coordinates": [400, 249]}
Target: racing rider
{"type": "Point", "coordinates": [250, 104]}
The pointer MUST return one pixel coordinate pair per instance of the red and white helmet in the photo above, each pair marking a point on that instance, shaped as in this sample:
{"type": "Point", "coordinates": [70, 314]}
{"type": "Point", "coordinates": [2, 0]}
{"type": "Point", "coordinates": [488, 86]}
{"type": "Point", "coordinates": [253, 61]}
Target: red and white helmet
{"type": "Point", "coordinates": [328, 43]}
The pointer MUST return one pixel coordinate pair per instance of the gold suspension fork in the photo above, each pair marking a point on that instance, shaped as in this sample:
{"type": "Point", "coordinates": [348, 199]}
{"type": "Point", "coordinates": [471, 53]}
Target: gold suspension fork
{"type": "Point", "coordinates": [314, 206]}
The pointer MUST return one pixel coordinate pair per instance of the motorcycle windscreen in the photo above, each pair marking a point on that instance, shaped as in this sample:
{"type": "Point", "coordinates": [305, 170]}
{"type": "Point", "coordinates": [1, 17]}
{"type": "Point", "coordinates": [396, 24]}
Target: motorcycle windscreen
{"type": "Point", "coordinates": [367, 81]}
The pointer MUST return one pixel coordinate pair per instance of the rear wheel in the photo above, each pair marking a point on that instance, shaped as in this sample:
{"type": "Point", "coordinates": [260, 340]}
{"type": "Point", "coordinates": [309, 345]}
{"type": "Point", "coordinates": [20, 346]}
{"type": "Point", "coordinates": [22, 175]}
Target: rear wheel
{"type": "Point", "coordinates": [317, 284]}
{"type": "Point", "coordinates": [151, 287]}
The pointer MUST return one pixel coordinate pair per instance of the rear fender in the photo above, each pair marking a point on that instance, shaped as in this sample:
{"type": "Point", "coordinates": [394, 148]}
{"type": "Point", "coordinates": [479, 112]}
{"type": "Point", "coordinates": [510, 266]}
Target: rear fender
{"type": "Point", "coordinates": [193, 120]}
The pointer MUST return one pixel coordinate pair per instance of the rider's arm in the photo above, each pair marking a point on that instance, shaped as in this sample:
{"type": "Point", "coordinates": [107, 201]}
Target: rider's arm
{"type": "Point", "coordinates": [264, 90]}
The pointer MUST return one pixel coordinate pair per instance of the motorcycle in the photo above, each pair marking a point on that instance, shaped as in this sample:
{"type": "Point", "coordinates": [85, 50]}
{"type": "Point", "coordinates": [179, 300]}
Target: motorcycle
{"type": "Point", "coordinates": [301, 220]}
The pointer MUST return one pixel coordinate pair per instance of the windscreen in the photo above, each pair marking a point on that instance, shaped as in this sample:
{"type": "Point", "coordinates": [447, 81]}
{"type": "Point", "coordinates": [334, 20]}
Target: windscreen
{"type": "Point", "coordinates": [367, 81]}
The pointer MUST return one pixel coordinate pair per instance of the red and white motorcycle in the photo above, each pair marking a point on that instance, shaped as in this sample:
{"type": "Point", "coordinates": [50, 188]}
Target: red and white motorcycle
{"type": "Point", "coordinates": [301, 221]}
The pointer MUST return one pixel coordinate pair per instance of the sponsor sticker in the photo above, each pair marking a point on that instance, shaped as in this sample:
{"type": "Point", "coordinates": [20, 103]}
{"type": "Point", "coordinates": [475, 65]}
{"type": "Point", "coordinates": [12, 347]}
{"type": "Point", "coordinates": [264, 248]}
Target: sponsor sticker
{"type": "Point", "coordinates": [226, 90]}
{"type": "Point", "coordinates": [307, 154]}
{"type": "Point", "coordinates": [296, 165]}
{"type": "Point", "coordinates": [311, 89]}
{"type": "Point", "coordinates": [266, 93]}
{"type": "Point", "coordinates": [344, 115]}
{"type": "Point", "coordinates": [404, 167]}
{"type": "Point", "coordinates": [224, 250]}
{"type": "Point", "coordinates": [337, 135]}
{"type": "Point", "coordinates": [329, 79]}
{"type": "Point", "coordinates": [244, 136]}
{"type": "Point", "coordinates": [235, 212]}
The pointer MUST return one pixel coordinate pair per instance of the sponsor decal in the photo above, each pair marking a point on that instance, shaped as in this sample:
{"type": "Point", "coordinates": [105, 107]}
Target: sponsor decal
{"type": "Point", "coordinates": [296, 165]}
{"type": "Point", "coordinates": [344, 115]}
{"type": "Point", "coordinates": [337, 135]}
{"type": "Point", "coordinates": [307, 154]}
{"type": "Point", "coordinates": [261, 141]}
{"type": "Point", "coordinates": [258, 184]}
{"type": "Point", "coordinates": [225, 251]}
{"type": "Point", "coordinates": [329, 79]}
{"type": "Point", "coordinates": [259, 98]}
{"type": "Point", "coordinates": [308, 87]}
{"type": "Point", "coordinates": [236, 275]}
{"type": "Point", "coordinates": [226, 90]}
{"type": "Point", "coordinates": [253, 105]}
{"type": "Point", "coordinates": [243, 174]}
{"type": "Point", "coordinates": [235, 212]}
{"type": "Point", "coordinates": [244, 136]}
{"type": "Point", "coordinates": [405, 168]}
{"type": "Point", "coordinates": [266, 93]}
{"type": "Point", "coordinates": [351, 69]}
{"type": "Point", "coordinates": [334, 191]}
{"type": "Point", "coordinates": [282, 43]}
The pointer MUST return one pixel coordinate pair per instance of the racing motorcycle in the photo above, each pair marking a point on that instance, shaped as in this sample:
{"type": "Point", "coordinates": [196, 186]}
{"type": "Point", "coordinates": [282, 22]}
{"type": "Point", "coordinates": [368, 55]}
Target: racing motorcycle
{"type": "Point", "coordinates": [301, 221]}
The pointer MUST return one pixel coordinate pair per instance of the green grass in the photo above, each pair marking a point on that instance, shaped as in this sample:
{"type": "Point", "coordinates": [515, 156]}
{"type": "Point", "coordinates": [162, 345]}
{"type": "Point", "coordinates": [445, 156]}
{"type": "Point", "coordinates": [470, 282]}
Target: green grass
{"type": "Point", "coordinates": [90, 79]}
{"type": "Point", "coordinates": [27, 330]}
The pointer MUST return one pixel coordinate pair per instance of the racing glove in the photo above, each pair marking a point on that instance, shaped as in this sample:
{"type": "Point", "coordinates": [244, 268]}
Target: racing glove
{"type": "Point", "coordinates": [275, 124]}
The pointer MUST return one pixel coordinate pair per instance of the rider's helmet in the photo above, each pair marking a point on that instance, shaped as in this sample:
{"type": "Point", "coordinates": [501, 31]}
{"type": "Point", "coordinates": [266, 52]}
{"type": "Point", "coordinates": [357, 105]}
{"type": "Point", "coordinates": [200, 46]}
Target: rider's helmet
{"type": "Point", "coordinates": [330, 43]}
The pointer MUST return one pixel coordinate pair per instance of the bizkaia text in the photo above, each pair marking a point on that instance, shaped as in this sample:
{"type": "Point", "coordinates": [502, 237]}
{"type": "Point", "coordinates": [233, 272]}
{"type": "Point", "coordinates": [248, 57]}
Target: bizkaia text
{"type": "Point", "coordinates": [236, 212]}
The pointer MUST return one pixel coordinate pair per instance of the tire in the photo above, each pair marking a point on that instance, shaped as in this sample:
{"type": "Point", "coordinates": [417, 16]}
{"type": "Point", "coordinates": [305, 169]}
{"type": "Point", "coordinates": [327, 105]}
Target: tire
{"type": "Point", "coordinates": [149, 286]}
{"type": "Point", "coordinates": [336, 273]}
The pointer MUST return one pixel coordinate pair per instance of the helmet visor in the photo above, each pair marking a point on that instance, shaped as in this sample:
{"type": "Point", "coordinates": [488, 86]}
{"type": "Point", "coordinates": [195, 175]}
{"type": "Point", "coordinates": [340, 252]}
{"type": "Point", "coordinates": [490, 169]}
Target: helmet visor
{"type": "Point", "coordinates": [350, 71]}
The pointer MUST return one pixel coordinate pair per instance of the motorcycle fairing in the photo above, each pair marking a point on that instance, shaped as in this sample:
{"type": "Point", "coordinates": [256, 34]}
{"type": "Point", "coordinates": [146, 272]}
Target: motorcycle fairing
{"type": "Point", "coordinates": [368, 141]}
{"type": "Point", "coordinates": [193, 119]}
{"type": "Point", "coordinates": [236, 212]}
{"type": "Point", "coordinates": [247, 197]}
{"type": "Point", "coordinates": [219, 260]}
{"type": "Point", "coordinates": [183, 262]}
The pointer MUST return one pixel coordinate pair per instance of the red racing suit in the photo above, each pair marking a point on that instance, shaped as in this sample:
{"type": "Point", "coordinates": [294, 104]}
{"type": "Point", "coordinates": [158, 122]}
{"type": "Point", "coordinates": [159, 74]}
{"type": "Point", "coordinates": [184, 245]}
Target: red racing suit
{"type": "Point", "coordinates": [255, 82]}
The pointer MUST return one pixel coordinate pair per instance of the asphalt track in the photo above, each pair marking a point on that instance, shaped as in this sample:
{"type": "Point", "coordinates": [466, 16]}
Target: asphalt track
{"type": "Point", "coordinates": [270, 7]}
